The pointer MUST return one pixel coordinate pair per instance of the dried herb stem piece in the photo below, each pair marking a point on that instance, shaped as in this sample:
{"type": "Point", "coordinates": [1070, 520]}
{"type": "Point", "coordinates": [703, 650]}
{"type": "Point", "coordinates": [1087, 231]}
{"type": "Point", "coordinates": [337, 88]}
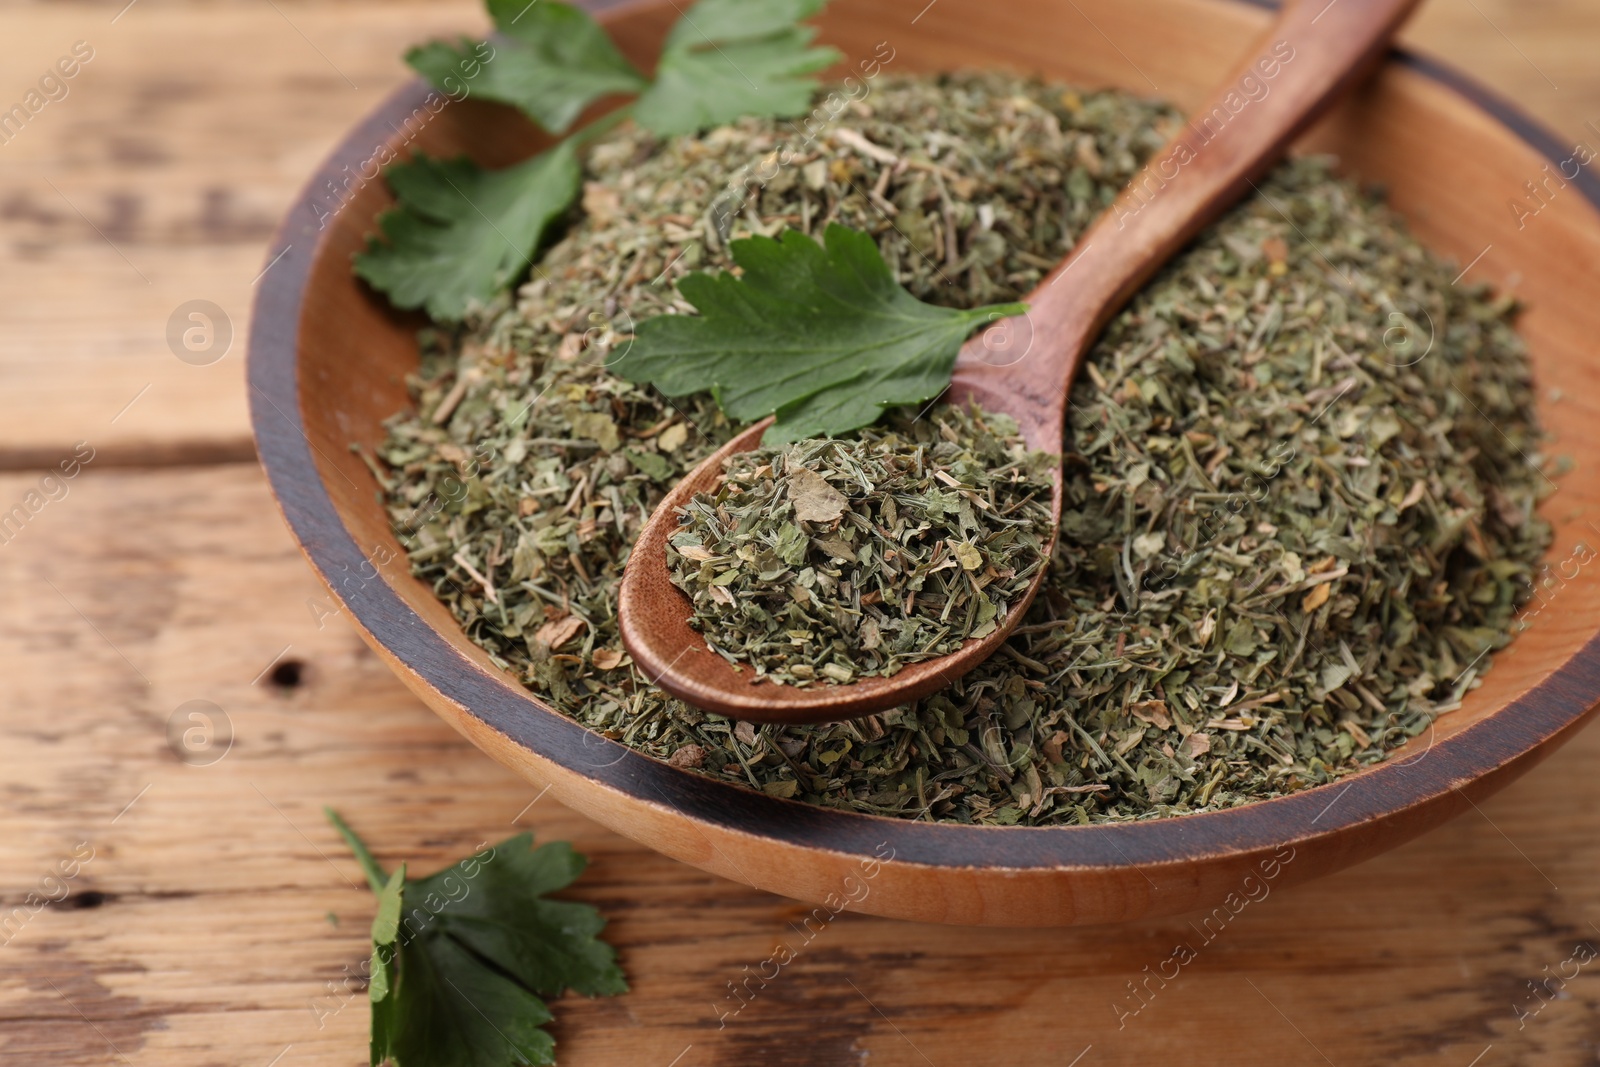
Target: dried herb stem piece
{"type": "Point", "coordinates": [835, 558]}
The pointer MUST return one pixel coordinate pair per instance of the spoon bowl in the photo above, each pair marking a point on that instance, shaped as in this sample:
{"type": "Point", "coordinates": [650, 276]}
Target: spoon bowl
{"type": "Point", "coordinates": [657, 633]}
{"type": "Point", "coordinates": [1317, 53]}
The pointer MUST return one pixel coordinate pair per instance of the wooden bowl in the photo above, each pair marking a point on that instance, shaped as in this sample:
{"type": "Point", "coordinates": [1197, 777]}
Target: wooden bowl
{"type": "Point", "coordinates": [328, 361]}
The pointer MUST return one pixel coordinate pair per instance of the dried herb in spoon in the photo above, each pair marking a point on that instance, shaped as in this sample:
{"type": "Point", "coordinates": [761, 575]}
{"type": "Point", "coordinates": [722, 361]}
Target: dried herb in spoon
{"type": "Point", "coordinates": [831, 559]}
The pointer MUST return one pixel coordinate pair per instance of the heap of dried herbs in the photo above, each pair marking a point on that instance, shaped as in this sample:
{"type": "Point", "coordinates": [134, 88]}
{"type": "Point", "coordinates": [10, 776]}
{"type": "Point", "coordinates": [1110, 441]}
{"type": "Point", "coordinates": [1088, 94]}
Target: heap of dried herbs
{"type": "Point", "coordinates": [830, 559]}
{"type": "Point", "coordinates": [1300, 472]}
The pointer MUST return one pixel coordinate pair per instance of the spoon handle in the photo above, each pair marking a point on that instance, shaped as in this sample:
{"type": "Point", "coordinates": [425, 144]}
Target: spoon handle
{"type": "Point", "coordinates": [1314, 51]}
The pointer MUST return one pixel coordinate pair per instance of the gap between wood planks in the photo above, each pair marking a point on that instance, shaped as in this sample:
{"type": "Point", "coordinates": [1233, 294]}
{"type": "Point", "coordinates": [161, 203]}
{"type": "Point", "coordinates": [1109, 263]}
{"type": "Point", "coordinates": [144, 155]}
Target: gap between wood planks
{"type": "Point", "coordinates": [153, 455]}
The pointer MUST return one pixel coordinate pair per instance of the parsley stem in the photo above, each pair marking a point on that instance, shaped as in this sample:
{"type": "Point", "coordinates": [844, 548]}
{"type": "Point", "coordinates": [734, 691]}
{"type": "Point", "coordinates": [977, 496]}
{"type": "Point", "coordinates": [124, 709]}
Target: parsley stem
{"type": "Point", "coordinates": [603, 124]}
{"type": "Point", "coordinates": [375, 876]}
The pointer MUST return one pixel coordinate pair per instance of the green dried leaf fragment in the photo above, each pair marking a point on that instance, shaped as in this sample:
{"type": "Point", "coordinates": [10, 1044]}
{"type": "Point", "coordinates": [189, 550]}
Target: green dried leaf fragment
{"type": "Point", "coordinates": [813, 499]}
{"type": "Point", "coordinates": [650, 464]}
{"type": "Point", "coordinates": [596, 426]}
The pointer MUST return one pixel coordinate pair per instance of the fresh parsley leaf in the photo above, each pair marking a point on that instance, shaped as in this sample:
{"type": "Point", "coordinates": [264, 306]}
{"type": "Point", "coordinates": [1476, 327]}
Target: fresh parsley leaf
{"type": "Point", "coordinates": [455, 1012]}
{"type": "Point", "coordinates": [820, 335]}
{"type": "Point", "coordinates": [550, 945]}
{"type": "Point", "coordinates": [554, 61]}
{"type": "Point", "coordinates": [461, 233]}
{"type": "Point", "coordinates": [725, 59]}
{"type": "Point", "coordinates": [462, 959]}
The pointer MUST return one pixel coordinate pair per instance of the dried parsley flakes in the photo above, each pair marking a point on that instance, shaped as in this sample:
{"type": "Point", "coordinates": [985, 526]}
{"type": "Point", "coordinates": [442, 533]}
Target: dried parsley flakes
{"type": "Point", "coordinates": [1292, 536]}
{"type": "Point", "coordinates": [835, 558]}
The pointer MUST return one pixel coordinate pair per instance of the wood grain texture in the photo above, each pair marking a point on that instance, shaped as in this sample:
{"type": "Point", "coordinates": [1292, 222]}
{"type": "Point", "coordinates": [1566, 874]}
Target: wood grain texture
{"type": "Point", "coordinates": [207, 944]}
{"type": "Point", "coordinates": [197, 934]}
{"type": "Point", "coordinates": [159, 179]}
{"type": "Point", "coordinates": [187, 136]}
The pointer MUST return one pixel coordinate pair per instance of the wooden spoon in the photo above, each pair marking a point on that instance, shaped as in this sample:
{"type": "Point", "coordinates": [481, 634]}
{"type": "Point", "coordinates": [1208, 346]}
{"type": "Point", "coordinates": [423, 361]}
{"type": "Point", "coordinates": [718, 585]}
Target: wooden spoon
{"type": "Point", "coordinates": [1314, 52]}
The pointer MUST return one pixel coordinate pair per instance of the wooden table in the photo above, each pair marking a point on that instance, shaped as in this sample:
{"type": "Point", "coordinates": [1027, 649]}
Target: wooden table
{"type": "Point", "coordinates": [219, 915]}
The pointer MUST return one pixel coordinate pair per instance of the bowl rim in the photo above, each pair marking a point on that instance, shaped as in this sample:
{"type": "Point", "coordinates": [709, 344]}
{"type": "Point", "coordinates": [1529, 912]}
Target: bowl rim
{"type": "Point", "coordinates": [1548, 711]}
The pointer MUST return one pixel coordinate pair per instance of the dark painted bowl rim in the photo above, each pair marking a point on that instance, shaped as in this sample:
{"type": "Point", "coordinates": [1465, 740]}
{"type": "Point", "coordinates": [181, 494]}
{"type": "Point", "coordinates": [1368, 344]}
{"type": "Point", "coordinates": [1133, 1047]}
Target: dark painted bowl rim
{"type": "Point", "coordinates": [1549, 709]}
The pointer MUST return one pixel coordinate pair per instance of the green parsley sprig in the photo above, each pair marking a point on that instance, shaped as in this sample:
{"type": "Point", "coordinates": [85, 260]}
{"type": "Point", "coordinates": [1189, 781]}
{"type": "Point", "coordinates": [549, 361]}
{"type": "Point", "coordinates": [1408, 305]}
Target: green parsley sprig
{"type": "Point", "coordinates": [821, 335]}
{"type": "Point", "coordinates": [463, 233]}
{"type": "Point", "coordinates": [554, 61]}
{"type": "Point", "coordinates": [463, 959]}
{"type": "Point", "coordinates": [460, 234]}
